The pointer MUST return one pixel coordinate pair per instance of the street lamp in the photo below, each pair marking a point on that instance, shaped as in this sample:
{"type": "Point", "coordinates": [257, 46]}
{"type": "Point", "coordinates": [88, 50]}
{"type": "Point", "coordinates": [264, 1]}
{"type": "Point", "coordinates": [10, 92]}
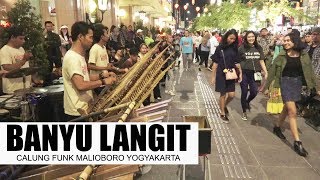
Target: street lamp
{"type": "Point", "coordinates": [102, 6]}
{"type": "Point", "coordinates": [121, 13]}
{"type": "Point", "coordinates": [142, 15]}
{"type": "Point", "coordinates": [185, 7]}
{"type": "Point", "coordinates": [176, 6]}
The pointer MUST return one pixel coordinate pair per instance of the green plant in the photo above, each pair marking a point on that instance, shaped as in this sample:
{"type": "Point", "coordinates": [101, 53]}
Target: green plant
{"type": "Point", "coordinates": [23, 15]}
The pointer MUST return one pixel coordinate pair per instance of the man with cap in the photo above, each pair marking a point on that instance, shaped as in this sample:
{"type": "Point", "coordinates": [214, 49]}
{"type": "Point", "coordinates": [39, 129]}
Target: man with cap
{"type": "Point", "coordinates": [139, 39]}
{"type": "Point", "coordinates": [314, 52]}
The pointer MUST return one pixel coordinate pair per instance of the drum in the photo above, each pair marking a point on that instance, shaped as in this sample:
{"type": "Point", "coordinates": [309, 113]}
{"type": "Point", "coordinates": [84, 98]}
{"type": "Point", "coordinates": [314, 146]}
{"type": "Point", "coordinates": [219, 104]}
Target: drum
{"type": "Point", "coordinates": [12, 104]}
{"type": "Point", "coordinates": [58, 81]}
{"type": "Point", "coordinates": [54, 90]}
{"type": "Point", "coordinates": [14, 108]}
{"type": "Point", "coordinates": [55, 99]}
{"type": "Point", "coordinates": [4, 115]}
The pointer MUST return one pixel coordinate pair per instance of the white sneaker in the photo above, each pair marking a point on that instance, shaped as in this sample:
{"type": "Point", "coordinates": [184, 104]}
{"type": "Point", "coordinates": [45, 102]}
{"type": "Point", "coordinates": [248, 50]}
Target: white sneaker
{"type": "Point", "coordinates": [244, 117]}
{"type": "Point", "coordinates": [172, 93]}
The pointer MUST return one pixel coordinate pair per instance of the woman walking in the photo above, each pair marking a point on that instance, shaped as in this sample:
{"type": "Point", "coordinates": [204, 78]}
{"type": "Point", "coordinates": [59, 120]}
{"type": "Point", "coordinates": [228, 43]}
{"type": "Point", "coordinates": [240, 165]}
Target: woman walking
{"type": "Point", "coordinates": [204, 50]}
{"type": "Point", "coordinates": [226, 57]}
{"type": "Point", "coordinates": [252, 61]}
{"type": "Point", "coordinates": [290, 70]}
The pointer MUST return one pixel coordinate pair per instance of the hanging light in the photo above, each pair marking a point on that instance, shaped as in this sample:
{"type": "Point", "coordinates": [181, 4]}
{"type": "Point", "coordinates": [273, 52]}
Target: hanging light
{"type": "Point", "coordinates": [212, 1]}
{"type": "Point", "coordinates": [198, 15]}
{"type": "Point", "coordinates": [176, 6]}
{"type": "Point", "coordinates": [219, 2]}
{"type": "Point", "coordinates": [185, 7]}
{"type": "Point", "coordinates": [205, 9]}
{"type": "Point", "coordinates": [102, 5]}
{"type": "Point", "coordinates": [298, 5]}
{"type": "Point", "coordinates": [142, 14]}
{"type": "Point", "coordinates": [197, 9]}
{"type": "Point", "coordinates": [193, 2]}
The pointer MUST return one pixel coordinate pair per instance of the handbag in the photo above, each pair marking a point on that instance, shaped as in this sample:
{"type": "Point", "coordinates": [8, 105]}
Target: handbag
{"type": "Point", "coordinates": [257, 75]}
{"type": "Point", "coordinates": [274, 104]}
{"type": "Point", "coordinates": [231, 73]}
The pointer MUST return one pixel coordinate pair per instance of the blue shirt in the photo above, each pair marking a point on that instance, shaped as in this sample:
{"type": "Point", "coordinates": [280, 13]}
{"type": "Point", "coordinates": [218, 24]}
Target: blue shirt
{"type": "Point", "coordinates": [186, 44]}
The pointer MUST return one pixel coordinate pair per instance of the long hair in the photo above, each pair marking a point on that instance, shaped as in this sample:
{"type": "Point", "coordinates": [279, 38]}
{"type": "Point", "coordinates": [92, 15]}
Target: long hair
{"type": "Point", "coordinates": [298, 44]}
{"type": "Point", "coordinates": [246, 44]}
{"type": "Point", "coordinates": [224, 43]}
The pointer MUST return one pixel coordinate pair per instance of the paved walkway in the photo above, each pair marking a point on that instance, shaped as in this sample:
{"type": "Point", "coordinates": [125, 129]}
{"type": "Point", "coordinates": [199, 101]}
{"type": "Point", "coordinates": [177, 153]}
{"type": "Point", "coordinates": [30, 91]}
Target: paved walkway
{"type": "Point", "coordinates": [241, 149]}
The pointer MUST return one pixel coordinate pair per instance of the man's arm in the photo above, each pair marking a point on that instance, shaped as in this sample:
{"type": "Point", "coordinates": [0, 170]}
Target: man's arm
{"type": "Point", "coordinates": [18, 65]}
{"type": "Point", "coordinates": [82, 85]}
{"type": "Point", "coordinates": [93, 66]}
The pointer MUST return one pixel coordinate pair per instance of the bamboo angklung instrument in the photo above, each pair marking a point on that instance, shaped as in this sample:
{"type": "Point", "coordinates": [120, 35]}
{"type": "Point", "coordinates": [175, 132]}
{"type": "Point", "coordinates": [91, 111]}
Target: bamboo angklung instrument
{"type": "Point", "coordinates": [124, 85]}
{"type": "Point", "coordinates": [134, 85]}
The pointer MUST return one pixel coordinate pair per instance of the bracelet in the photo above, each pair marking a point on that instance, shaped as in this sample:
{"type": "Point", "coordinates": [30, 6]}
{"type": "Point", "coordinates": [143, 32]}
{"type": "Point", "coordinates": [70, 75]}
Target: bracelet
{"type": "Point", "coordinates": [101, 76]}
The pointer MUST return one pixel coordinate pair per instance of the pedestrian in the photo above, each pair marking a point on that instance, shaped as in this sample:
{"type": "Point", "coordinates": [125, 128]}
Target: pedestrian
{"type": "Point", "coordinates": [226, 57]}
{"type": "Point", "coordinates": [290, 69]}
{"type": "Point", "coordinates": [204, 50]}
{"type": "Point", "coordinates": [314, 53]}
{"type": "Point", "coordinates": [252, 62]}
{"type": "Point", "coordinates": [213, 46]}
{"type": "Point", "coordinates": [186, 45]}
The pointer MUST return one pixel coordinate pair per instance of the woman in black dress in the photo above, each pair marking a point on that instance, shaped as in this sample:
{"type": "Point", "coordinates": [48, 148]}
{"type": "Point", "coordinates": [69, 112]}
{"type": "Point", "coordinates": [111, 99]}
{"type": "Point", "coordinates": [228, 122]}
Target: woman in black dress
{"type": "Point", "coordinates": [229, 49]}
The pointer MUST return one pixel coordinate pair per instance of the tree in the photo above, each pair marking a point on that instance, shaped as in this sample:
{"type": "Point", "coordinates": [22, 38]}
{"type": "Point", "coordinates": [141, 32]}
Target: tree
{"type": "Point", "coordinates": [228, 15]}
{"type": "Point", "coordinates": [23, 15]}
{"type": "Point", "coordinates": [237, 15]}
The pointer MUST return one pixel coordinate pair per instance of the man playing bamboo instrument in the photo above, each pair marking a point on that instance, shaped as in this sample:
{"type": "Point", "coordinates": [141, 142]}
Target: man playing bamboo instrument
{"type": "Point", "coordinates": [98, 56]}
{"type": "Point", "coordinates": [77, 81]}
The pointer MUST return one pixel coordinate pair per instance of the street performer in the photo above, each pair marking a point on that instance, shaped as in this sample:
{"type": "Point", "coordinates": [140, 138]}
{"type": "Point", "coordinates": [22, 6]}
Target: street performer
{"type": "Point", "coordinates": [77, 81]}
{"type": "Point", "coordinates": [13, 57]}
{"type": "Point", "coordinates": [98, 56]}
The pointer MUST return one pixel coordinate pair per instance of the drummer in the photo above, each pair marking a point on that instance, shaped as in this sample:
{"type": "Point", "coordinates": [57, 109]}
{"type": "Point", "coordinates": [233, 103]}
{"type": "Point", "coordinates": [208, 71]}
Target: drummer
{"type": "Point", "coordinates": [77, 81]}
{"type": "Point", "coordinates": [13, 56]}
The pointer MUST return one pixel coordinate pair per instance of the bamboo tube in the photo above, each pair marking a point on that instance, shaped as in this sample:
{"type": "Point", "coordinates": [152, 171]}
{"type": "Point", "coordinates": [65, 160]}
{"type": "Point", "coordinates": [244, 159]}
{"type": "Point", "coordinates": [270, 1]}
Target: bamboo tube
{"type": "Point", "coordinates": [106, 102]}
{"type": "Point", "coordinates": [155, 82]}
{"type": "Point", "coordinates": [100, 112]}
{"type": "Point", "coordinates": [127, 112]}
{"type": "Point", "coordinates": [86, 172]}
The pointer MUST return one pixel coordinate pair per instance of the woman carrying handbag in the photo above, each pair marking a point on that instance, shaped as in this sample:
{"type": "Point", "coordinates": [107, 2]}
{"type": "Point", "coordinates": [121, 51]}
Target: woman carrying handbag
{"type": "Point", "coordinates": [225, 61]}
{"type": "Point", "coordinates": [252, 62]}
{"type": "Point", "coordinates": [290, 71]}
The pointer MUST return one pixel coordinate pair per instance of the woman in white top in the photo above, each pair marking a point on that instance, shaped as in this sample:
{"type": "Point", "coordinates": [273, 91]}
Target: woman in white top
{"type": "Point", "coordinates": [65, 39]}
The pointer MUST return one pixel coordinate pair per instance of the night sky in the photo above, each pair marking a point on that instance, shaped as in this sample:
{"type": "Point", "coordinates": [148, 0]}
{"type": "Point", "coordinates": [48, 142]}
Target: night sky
{"type": "Point", "coordinates": [191, 8]}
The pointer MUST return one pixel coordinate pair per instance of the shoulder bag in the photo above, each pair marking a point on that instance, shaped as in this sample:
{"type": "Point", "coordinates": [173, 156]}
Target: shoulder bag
{"type": "Point", "coordinates": [257, 75]}
{"type": "Point", "coordinates": [231, 73]}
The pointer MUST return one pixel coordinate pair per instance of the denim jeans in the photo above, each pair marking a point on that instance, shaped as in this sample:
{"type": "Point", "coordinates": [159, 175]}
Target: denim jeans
{"type": "Point", "coordinates": [248, 80]}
